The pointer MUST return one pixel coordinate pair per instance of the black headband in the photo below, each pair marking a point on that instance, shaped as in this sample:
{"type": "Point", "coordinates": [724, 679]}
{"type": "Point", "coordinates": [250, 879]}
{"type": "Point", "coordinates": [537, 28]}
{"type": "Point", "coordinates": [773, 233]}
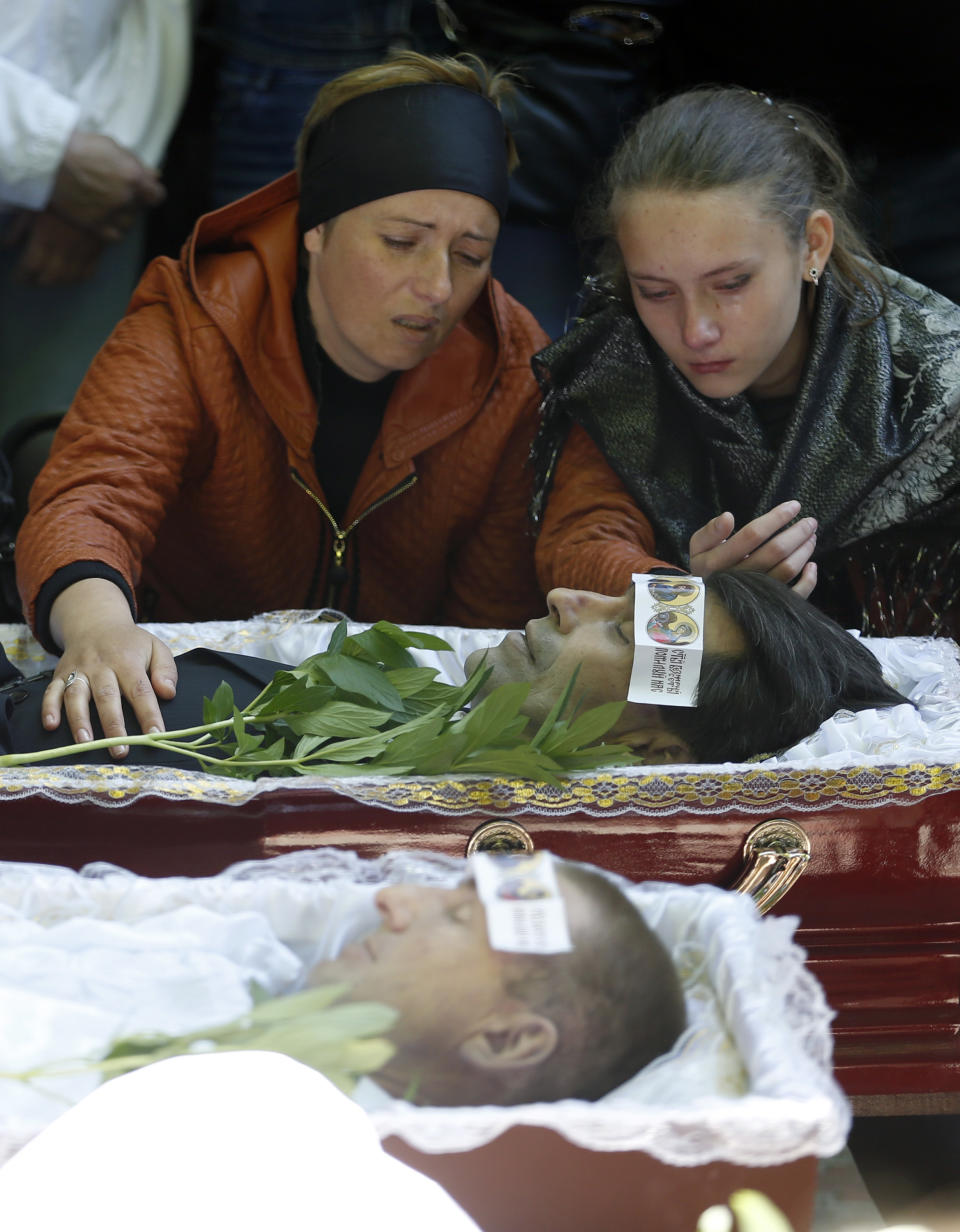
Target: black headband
{"type": "Point", "coordinates": [400, 140]}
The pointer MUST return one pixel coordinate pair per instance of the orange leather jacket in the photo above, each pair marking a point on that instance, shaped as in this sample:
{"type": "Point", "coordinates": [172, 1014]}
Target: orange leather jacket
{"type": "Point", "coordinates": [593, 537]}
{"type": "Point", "coordinates": [186, 460]}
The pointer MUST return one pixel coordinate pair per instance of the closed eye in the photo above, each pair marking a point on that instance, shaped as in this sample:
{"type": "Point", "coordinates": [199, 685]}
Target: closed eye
{"type": "Point", "coordinates": [463, 902]}
{"type": "Point", "coordinates": [735, 284]}
{"type": "Point", "coordinates": [647, 293]}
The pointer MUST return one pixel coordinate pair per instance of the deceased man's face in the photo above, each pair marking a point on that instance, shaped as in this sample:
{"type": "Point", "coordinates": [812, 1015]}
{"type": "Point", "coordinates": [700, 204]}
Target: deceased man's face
{"type": "Point", "coordinates": [592, 633]}
{"type": "Point", "coordinates": [430, 960]}
{"type": "Point", "coordinates": [581, 629]}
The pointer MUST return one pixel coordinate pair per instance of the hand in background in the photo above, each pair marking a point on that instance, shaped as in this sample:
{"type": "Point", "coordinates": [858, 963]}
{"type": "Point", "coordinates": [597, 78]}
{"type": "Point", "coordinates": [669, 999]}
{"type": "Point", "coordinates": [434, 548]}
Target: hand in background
{"type": "Point", "coordinates": [100, 185]}
{"type": "Point", "coordinates": [56, 252]}
{"type": "Point", "coordinates": [17, 228]}
{"type": "Point", "coordinates": [768, 544]}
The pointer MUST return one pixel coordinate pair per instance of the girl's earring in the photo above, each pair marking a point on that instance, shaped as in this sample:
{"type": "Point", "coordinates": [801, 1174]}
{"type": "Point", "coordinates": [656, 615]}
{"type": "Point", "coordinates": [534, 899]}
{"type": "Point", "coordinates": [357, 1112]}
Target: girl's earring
{"type": "Point", "coordinates": [814, 275]}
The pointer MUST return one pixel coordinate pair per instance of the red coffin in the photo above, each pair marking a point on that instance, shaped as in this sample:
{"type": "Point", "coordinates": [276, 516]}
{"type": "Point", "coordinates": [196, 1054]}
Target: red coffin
{"type": "Point", "coordinates": [879, 901]}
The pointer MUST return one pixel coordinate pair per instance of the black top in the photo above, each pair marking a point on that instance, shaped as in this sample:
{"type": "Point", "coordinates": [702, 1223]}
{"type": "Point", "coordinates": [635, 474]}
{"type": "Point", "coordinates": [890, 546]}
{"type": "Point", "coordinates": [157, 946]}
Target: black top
{"type": "Point", "coordinates": [348, 423]}
{"type": "Point", "coordinates": [350, 411]}
{"type": "Point", "coordinates": [774, 416]}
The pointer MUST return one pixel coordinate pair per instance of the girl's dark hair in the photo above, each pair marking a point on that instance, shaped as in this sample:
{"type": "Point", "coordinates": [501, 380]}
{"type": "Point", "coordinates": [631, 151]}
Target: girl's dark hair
{"type": "Point", "coordinates": [726, 137]}
{"type": "Point", "coordinates": [799, 668]}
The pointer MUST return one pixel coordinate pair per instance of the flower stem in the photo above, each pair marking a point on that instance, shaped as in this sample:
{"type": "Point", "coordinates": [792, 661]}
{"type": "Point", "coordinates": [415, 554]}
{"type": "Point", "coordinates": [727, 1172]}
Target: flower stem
{"type": "Point", "coordinates": [148, 739]}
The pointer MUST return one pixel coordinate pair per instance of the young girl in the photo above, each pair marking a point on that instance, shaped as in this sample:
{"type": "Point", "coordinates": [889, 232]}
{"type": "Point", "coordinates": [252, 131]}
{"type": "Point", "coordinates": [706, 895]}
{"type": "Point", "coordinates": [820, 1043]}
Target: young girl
{"type": "Point", "coordinates": [741, 348]}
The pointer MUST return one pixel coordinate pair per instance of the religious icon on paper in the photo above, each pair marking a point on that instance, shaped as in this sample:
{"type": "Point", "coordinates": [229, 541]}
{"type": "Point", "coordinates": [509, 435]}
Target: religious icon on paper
{"type": "Point", "coordinates": [673, 592]}
{"type": "Point", "coordinates": [672, 628]}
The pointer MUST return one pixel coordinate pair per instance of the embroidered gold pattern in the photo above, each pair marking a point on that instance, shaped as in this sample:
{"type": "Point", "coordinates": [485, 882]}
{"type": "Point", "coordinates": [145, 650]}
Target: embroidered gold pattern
{"type": "Point", "coordinates": [610, 793]}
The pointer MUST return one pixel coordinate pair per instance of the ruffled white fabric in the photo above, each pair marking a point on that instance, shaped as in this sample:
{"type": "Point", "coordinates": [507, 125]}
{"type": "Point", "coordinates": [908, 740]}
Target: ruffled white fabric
{"type": "Point", "coordinates": [84, 961]}
{"type": "Point", "coordinates": [924, 669]}
{"type": "Point", "coordinates": [748, 1082]}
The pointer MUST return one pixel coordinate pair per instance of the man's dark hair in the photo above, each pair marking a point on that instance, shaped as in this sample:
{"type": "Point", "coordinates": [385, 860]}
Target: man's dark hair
{"type": "Point", "coordinates": [616, 999]}
{"type": "Point", "coordinates": [799, 668]}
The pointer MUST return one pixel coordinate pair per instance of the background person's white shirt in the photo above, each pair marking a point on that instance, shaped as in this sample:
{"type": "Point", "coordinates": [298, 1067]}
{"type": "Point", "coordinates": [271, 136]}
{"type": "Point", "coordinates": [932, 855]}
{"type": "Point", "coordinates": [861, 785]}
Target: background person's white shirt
{"type": "Point", "coordinates": [117, 67]}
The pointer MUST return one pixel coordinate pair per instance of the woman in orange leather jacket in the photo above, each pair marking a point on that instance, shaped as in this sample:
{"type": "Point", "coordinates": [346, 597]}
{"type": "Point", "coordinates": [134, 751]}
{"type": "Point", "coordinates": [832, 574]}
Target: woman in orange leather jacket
{"type": "Point", "coordinates": [326, 401]}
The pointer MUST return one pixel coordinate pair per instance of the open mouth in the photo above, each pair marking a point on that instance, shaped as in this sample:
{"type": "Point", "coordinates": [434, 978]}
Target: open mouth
{"type": "Point", "coordinates": [418, 325]}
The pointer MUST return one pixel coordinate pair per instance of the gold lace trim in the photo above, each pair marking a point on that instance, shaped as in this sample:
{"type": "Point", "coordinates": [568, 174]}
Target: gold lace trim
{"type": "Point", "coordinates": [601, 794]}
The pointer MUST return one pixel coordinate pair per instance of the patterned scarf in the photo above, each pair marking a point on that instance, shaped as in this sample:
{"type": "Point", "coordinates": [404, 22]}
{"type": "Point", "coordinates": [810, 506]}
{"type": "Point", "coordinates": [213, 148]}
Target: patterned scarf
{"type": "Point", "coordinates": [872, 442]}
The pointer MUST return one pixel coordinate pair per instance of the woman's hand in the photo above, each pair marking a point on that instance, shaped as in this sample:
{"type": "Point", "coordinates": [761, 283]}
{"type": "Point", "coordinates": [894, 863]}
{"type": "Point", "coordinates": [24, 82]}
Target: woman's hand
{"type": "Point", "coordinates": [106, 657]}
{"type": "Point", "coordinates": [765, 545]}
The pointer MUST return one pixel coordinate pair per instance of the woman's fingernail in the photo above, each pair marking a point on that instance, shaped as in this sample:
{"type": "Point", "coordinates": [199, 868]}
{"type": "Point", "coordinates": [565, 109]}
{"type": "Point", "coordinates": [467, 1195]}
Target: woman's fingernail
{"type": "Point", "coordinates": [154, 731]}
{"type": "Point", "coordinates": [82, 735]}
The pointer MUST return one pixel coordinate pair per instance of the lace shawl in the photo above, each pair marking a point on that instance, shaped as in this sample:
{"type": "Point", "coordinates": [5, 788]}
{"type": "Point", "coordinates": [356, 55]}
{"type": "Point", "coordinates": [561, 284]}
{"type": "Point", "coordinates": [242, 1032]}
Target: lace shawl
{"type": "Point", "coordinates": [873, 440]}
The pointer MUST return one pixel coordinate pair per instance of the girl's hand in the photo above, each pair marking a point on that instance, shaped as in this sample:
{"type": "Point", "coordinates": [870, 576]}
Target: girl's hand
{"type": "Point", "coordinates": [768, 544]}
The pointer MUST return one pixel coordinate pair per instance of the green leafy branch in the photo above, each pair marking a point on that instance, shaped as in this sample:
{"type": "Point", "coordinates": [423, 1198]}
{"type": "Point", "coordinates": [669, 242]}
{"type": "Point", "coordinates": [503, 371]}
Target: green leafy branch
{"type": "Point", "coordinates": [341, 1041]}
{"type": "Point", "coordinates": [364, 706]}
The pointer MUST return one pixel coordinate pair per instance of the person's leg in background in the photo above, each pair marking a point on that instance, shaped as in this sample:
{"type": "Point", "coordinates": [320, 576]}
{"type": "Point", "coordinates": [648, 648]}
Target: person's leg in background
{"type": "Point", "coordinates": [273, 59]}
{"type": "Point", "coordinates": [49, 334]}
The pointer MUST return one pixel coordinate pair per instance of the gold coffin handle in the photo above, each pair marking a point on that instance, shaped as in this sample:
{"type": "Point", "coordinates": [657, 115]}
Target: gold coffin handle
{"type": "Point", "coordinates": [775, 853]}
{"type": "Point", "coordinates": [506, 835]}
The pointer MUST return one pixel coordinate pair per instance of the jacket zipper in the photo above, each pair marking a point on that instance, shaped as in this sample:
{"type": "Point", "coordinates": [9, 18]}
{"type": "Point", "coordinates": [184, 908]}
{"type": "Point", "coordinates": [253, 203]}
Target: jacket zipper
{"type": "Point", "coordinates": [339, 544]}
